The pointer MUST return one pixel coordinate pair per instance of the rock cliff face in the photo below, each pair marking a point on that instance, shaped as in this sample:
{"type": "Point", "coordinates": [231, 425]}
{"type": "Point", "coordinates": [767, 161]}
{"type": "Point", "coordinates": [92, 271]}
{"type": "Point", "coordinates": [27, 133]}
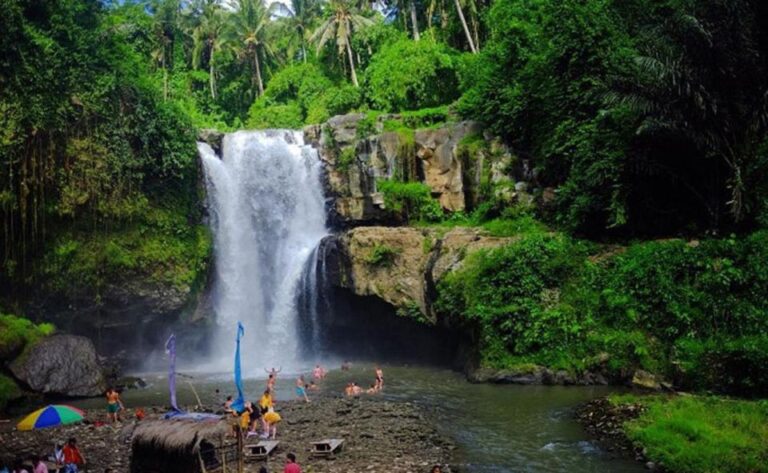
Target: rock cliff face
{"type": "Point", "coordinates": [400, 265]}
{"type": "Point", "coordinates": [356, 156]}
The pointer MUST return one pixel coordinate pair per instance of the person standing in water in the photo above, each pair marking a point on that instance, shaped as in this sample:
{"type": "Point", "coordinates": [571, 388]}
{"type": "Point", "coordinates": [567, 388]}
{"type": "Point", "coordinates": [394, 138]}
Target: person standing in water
{"type": "Point", "coordinates": [318, 373]}
{"type": "Point", "coordinates": [379, 378]}
{"type": "Point", "coordinates": [114, 404]}
{"type": "Point", "coordinates": [271, 382]}
{"type": "Point", "coordinates": [301, 388]}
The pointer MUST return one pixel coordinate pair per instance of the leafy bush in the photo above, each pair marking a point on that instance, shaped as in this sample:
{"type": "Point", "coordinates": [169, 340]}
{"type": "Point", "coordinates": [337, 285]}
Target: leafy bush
{"type": "Point", "coordinates": [729, 366]}
{"type": "Point", "coordinates": [412, 201]}
{"type": "Point", "coordinates": [409, 75]}
{"type": "Point", "coordinates": [512, 294]}
{"type": "Point", "coordinates": [262, 115]}
{"type": "Point", "coordinates": [299, 94]}
{"type": "Point", "coordinates": [382, 256]}
{"type": "Point", "coordinates": [691, 311]}
{"type": "Point", "coordinates": [346, 159]}
{"type": "Point", "coordinates": [16, 333]}
{"type": "Point", "coordinates": [8, 391]}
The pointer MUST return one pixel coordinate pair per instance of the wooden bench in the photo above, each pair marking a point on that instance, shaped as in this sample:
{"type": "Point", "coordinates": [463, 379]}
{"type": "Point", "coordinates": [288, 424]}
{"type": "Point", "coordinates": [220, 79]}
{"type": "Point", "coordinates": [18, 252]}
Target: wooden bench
{"type": "Point", "coordinates": [261, 450]}
{"type": "Point", "coordinates": [327, 447]}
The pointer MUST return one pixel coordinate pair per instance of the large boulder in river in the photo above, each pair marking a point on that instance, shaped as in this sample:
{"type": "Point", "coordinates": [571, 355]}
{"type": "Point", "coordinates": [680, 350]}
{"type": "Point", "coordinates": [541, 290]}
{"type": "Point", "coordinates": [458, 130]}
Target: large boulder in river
{"type": "Point", "coordinates": [61, 364]}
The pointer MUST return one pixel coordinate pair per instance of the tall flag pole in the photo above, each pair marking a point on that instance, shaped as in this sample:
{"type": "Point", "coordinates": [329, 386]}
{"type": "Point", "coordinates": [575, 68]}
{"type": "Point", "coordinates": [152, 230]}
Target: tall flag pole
{"type": "Point", "coordinates": [239, 404]}
{"type": "Point", "coordinates": [170, 349]}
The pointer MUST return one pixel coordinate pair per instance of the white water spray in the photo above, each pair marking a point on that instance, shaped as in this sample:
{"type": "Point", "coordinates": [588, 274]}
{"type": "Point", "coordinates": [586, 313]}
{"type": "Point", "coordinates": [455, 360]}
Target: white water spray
{"type": "Point", "coordinates": [267, 215]}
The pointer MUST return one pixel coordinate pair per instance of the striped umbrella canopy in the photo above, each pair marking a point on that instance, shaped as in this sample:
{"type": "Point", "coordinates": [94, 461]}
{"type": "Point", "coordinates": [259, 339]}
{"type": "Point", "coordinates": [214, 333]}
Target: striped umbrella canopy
{"type": "Point", "coordinates": [51, 416]}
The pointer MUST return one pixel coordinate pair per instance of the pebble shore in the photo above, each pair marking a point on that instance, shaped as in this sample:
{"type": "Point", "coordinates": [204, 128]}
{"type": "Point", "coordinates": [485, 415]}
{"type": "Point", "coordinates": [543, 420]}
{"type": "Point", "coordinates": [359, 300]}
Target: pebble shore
{"type": "Point", "coordinates": [380, 436]}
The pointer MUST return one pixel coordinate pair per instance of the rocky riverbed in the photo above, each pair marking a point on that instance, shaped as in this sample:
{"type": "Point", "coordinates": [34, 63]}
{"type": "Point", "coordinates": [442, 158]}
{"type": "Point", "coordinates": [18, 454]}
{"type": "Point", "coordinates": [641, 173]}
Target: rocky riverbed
{"type": "Point", "coordinates": [604, 421]}
{"type": "Point", "coordinates": [379, 436]}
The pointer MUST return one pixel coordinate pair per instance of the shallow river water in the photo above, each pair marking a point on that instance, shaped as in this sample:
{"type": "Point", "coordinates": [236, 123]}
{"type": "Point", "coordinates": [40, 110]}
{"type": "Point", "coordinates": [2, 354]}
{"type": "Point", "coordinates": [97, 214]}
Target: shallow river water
{"type": "Point", "coordinates": [497, 428]}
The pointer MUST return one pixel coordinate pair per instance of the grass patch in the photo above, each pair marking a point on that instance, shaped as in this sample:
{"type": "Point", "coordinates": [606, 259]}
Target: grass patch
{"type": "Point", "coordinates": [696, 434]}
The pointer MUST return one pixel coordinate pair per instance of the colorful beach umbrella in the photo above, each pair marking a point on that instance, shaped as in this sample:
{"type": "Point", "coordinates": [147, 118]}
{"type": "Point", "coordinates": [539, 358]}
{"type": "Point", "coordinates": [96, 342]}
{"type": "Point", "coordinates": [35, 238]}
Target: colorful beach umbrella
{"type": "Point", "coordinates": [51, 416]}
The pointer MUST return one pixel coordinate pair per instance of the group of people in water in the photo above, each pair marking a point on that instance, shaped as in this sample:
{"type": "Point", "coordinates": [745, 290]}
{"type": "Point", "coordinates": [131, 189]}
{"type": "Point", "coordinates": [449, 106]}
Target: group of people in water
{"type": "Point", "coordinates": [261, 419]}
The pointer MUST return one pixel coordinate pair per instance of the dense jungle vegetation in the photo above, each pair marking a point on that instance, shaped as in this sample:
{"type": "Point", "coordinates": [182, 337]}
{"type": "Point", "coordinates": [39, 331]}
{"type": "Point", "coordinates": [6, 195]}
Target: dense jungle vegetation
{"type": "Point", "coordinates": [648, 117]}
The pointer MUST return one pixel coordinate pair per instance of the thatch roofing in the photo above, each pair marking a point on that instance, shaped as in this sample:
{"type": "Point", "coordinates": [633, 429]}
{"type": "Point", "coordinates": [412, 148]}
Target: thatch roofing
{"type": "Point", "coordinates": [177, 435]}
{"type": "Point", "coordinates": [176, 445]}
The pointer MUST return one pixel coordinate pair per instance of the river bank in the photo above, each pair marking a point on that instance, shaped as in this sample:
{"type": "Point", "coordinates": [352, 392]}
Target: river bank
{"type": "Point", "coordinates": [682, 433]}
{"type": "Point", "coordinates": [379, 436]}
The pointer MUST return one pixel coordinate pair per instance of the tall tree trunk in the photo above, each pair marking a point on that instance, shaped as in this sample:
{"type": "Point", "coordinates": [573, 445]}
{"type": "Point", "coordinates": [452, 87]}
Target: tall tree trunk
{"type": "Point", "coordinates": [303, 51]}
{"type": "Point", "coordinates": [212, 76]}
{"type": "Point", "coordinates": [466, 28]}
{"type": "Point", "coordinates": [352, 65]}
{"type": "Point", "coordinates": [165, 80]}
{"type": "Point", "coordinates": [414, 21]}
{"type": "Point", "coordinates": [258, 71]}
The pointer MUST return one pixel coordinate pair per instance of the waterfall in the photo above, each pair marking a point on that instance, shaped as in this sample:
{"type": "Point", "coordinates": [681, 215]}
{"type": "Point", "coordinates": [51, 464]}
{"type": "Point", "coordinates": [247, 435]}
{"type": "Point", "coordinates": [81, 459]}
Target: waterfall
{"type": "Point", "coordinates": [315, 303]}
{"type": "Point", "coordinates": [267, 213]}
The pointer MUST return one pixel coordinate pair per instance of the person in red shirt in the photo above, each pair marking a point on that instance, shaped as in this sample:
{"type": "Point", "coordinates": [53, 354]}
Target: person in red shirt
{"type": "Point", "coordinates": [292, 466]}
{"type": "Point", "coordinates": [73, 459]}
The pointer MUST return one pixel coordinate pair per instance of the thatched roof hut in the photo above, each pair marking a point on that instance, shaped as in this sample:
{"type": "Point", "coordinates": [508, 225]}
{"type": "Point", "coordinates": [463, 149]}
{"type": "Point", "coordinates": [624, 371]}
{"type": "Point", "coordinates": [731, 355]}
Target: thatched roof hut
{"type": "Point", "coordinates": [183, 446]}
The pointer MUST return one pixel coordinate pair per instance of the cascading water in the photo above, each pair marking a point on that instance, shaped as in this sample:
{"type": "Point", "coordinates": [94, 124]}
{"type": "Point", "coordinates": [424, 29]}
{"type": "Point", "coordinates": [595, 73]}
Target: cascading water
{"type": "Point", "coordinates": [267, 215]}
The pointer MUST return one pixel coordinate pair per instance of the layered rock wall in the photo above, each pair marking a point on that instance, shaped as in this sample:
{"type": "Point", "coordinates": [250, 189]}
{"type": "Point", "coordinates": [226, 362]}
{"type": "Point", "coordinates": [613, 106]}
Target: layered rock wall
{"type": "Point", "coordinates": [401, 265]}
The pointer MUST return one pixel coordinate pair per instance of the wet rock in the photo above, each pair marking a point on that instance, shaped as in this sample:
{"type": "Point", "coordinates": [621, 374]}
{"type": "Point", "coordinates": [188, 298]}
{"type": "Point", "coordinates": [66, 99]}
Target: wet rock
{"type": "Point", "coordinates": [645, 380]}
{"type": "Point", "coordinates": [61, 364]}
{"type": "Point", "coordinates": [213, 137]}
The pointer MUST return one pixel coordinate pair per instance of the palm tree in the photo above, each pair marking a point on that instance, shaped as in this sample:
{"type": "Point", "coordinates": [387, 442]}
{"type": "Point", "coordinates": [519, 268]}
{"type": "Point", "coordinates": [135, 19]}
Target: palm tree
{"type": "Point", "coordinates": [246, 32]}
{"type": "Point", "coordinates": [459, 10]}
{"type": "Point", "coordinates": [166, 17]}
{"type": "Point", "coordinates": [209, 36]}
{"type": "Point", "coordinates": [343, 21]}
{"type": "Point", "coordinates": [410, 6]}
{"type": "Point", "coordinates": [302, 16]}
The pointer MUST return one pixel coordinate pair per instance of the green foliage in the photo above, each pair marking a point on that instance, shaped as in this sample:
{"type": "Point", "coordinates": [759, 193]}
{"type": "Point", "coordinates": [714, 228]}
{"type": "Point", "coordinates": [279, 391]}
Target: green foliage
{"type": "Point", "coordinates": [16, 333]}
{"type": "Point", "coordinates": [726, 365]}
{"type": "Point", "coordinates": [301, 94]}
{"type": "Point", "coordinates": [513, 294]}
{"type": "Point", "coordinates": [8, 391]}
{"type": "Point", "coordinates": [161, 247]}
{"type": "Point", "coordinates": [346, 159]}
{"type": "Point", "coordinates": [693, 434]}
{"type": "Point", "coordinates": [412, 201]}
{"type": "Point", "coordinates": [412, 311]}
{"type": "Point", "coordinates": [382, 256]}
{"type": "Point", "coordinates": [409, 75]}
{"type": "Point", "coordinates": [691, 311]}
{"type": "Point", "coordinates": [275, 116]}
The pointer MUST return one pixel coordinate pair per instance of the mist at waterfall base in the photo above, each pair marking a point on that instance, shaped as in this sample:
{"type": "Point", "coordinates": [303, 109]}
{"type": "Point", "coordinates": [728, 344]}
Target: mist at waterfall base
{"type": "Point", "coordinates": [267, 213]}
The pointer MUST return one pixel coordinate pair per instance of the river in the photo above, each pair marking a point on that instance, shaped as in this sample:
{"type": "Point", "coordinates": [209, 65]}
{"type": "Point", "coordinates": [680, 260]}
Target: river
{"type": "Point", "coordinates": [497, 428]}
